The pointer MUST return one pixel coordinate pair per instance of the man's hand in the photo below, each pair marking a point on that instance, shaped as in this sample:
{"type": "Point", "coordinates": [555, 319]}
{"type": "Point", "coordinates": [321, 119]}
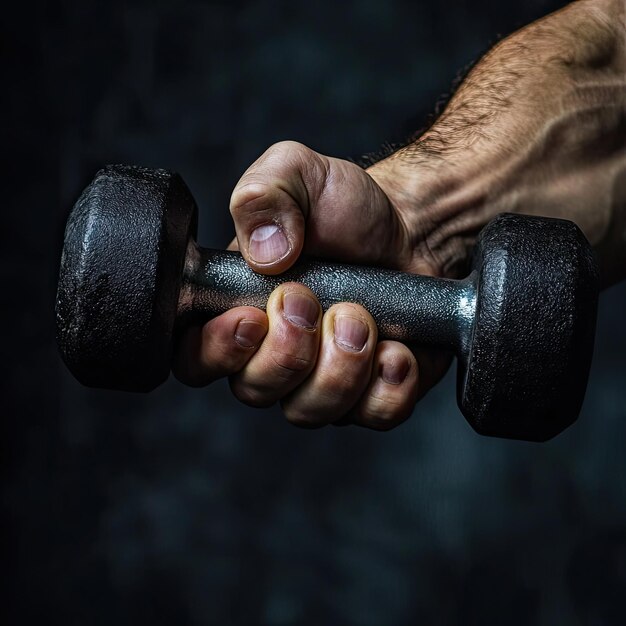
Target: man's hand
{"type": "Point", "coordinates": [537, 127]}
{"type": "Point", "coordinates": [322, 368]}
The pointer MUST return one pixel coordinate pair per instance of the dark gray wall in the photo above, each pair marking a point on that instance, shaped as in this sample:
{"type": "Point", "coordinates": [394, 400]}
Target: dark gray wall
{"type": "Point", "coordinates": [183, 507]}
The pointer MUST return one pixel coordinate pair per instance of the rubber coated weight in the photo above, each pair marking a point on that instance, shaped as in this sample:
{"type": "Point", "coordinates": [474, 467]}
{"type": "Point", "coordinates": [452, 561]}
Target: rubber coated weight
{"type": "Point", "coordinates": [522, 323]}
{"type": "Point", "coordinates": [534, 328]}
{"type": "Point", "coordinates": [121, 268]}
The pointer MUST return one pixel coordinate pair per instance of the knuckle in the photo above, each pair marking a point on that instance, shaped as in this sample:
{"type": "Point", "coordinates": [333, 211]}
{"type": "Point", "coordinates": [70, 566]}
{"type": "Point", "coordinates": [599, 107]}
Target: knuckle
{"type": "Point", "coordinates": [251, 396]}
{"type": "Point", "coordinates": [247, 194]}
{"type": "Point", "coordinates": [338, 386]}
{"type": "Point", "coordinates": [292, 155]}
{"type": "Point", "coordinates": [287, 147]}
{"type": "Point", "coordinates": [222, 355]}
{"type": "Point", "coordinates": [384, 413]}
{"type": "Point", "coordinates": [381, 423]}
{"type": "Point", "coordinates": [301, 419]}
{"type": "Point", "coordinates": [286, 366]}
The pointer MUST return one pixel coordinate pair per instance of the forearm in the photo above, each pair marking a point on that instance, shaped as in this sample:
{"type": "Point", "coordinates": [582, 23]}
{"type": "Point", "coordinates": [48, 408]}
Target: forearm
{"type": "Point", "coordinates": [539, 127]}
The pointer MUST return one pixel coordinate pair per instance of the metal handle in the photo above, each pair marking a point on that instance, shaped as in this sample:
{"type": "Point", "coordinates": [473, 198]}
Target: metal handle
{"type": "Point", "coordinates": [406, 307]}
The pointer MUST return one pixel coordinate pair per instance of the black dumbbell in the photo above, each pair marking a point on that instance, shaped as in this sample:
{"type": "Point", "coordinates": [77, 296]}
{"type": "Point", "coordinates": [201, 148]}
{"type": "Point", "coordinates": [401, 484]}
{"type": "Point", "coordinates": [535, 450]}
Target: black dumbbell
{"type": "Point", "coordinates": [521, 324]}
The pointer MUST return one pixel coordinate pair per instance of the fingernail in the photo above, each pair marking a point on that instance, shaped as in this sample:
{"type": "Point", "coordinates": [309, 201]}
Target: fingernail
{"type": "Point", "coordinates": [350, 333]}
{"type": "Point", "coordinates": [249, 334]}
{"type": "Point", "coordinates": [268, 244]}
{"type": "Point", "coordinates": [395, 372]}
{"type": "Point", "coordinates": [301, 309]}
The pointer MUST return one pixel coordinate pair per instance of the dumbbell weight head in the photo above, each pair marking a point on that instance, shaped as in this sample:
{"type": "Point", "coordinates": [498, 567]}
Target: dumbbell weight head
{"type": "Point", "coordinates": [522, 324]}
{"type": "Point", "coordinates": [529, 355]}
{"type": "Point", "coordinates": [121, 268]}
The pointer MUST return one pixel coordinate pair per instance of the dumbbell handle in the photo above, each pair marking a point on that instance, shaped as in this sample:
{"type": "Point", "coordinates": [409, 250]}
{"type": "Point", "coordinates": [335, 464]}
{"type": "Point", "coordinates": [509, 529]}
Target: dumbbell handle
{"type": "Point", "coordinates": [406, 307]}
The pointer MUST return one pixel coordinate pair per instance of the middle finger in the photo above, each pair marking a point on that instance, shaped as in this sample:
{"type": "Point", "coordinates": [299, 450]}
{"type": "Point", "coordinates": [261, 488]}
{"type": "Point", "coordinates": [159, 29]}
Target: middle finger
{"type": "Point", "coordinates": [288, 352]}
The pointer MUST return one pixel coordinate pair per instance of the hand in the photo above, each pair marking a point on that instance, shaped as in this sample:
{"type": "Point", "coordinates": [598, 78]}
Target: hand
{"type": "Point", "coordinates": [322, 368]}
{"type": "Point", "coordinates": [537, 127]}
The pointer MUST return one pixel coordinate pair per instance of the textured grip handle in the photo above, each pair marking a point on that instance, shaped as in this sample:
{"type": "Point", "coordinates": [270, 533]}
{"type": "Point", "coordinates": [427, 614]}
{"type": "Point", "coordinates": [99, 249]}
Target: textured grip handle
{"type": "Point", "coordinates": [406, 307]}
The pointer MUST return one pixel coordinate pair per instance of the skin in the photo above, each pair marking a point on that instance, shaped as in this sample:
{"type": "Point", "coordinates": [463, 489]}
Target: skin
{"type": "Point", "coordinates": [537, 127]}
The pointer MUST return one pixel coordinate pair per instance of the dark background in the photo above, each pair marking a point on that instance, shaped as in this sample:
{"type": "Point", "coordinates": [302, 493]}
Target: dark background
{"type": "Point", "coordinates": [182, 506]}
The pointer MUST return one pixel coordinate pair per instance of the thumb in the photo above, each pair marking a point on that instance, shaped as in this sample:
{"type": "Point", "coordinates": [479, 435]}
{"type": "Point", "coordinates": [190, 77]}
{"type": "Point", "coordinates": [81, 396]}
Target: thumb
{"type": "Point", "coordinates": [270, 203]}
{"type": "Point", "coordinates": [347, 215]}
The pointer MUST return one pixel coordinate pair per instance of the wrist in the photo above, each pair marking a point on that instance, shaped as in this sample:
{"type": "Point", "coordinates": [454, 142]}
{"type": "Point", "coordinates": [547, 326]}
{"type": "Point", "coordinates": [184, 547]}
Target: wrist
{"type": "Point", "coordinates": [443, 205]}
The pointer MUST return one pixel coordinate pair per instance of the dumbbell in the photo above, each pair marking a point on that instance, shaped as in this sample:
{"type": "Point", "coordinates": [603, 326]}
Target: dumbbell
{"type": "Point", "coordinates": [522, 323]}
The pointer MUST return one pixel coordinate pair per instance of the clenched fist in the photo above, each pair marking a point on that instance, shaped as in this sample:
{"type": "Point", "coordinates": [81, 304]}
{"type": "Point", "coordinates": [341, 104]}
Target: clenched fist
{"type": "Point", "coordinates": [538, 127]}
